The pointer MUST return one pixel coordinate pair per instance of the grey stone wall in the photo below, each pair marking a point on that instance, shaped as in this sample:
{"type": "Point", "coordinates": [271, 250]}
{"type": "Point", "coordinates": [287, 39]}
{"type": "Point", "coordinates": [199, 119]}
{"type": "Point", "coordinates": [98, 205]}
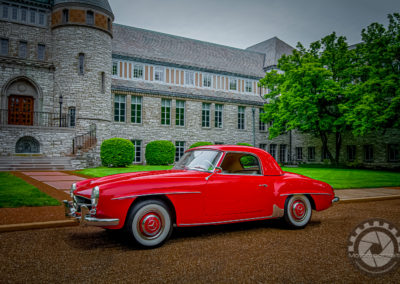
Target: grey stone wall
{"type": "Point", "coordinates": [54, 142]}
{"type": "Point", "coordinates": [84, 92]}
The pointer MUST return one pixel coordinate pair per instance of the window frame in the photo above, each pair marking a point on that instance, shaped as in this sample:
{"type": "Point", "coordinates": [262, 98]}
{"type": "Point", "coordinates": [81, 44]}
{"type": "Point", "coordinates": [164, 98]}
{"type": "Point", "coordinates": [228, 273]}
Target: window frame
{"type": "Point", "coordinates": [248, 86]}
{"type": "Point", "coordinates": [219, 116]}
{"type": "Point", "coordinates": [22, 44]}
{"type": "Point", "coordinates": [136, 71]}
{"type": "Point", "coordinates": [81, 63]}
{"type": "Point", "coordinates": [189, 78]}
{"type": "Point", "coordinates": [166, 112]}
{"type": "Point", "coordinates": [159, 71]}
{"type": "Point", "coordinates": [231, 80]}
{"type": "Point", "coordinates": [114, 68]}
{"type": "Point", "coordinates": [393, 151]}
{"type": "Point", "coordinates": [299, 153]}
{"type": "Point", "coordinates": [40, 52]}
{"type": "Point", "coordinates": [180, 149]}
{"type": "Point", "coordinates": [241, 118]}
{"type": "Point", "coordinates": [121, 111]}
{"type": "Point", "coordinates": [351, 153]}
{"type": "Point", "coordinates": [206, 115]}
{"type": "Point", "coordinates": [72, 116]}
{"type": "Point", "coordinates": [6, 42]}
{"type": "Point", "coordinates": [207, 78]}
{"type": "Point", "coordinates": [311, 153]}
{"type": "Point", "coordinates": [368, 153]}
{"type": "Point", "coordinates": [180, 107]}
{"type": "Point", "coordinates": [261, 124]}
{"type": "Point", "coordinates": [90, 19]}
{"type": "Point", "coordinates": [137, 144]}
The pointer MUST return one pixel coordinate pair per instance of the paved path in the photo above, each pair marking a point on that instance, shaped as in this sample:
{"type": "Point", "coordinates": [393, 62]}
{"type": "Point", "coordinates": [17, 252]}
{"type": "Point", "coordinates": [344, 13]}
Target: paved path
{"type": "Point", "coordinates": [57, 180]}
{"type": "Point", "coordinates": [363, 194]}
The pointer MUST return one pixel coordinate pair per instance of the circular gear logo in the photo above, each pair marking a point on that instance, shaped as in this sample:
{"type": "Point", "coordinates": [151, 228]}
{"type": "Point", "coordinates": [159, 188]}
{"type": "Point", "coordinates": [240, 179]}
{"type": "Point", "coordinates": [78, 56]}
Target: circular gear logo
{"type": "Point", "coordinates": [374, 247]}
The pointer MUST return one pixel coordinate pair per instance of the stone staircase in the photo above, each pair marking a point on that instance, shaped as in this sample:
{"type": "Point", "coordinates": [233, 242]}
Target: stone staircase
{"type": "Point", "coordinates": [35, 163]}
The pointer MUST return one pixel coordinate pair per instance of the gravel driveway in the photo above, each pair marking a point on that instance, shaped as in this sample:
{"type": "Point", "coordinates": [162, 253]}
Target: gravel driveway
{"type": "Point", "coordinates": [251, 252]}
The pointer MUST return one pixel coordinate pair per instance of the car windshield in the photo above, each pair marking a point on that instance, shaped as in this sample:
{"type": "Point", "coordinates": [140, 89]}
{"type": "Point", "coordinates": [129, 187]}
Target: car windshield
{"type": "Point", "coordinates": [201, 160]}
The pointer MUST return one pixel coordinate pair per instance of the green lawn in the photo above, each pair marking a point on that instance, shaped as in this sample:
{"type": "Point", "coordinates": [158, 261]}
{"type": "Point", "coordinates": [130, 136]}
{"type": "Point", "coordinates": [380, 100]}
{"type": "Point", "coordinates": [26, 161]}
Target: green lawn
{"type": "Point", "coordinates": [104, 171]}
{"type": "Point", "coordinates": [15, 192]}
{"type": "Point", "coordinates": [350, 178]}
{"type": "Point", "coordinates": [338, 178]}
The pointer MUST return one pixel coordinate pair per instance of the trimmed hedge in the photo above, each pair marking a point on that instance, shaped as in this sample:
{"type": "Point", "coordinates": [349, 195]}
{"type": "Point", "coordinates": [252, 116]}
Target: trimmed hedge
{"type": "Point", "coordinates": [160, 152]}
{"type": "Point", "coordinates": [244, 144]}
{"type": "Point", "coordinates": [197, 144]}
{"type": "Point", "coordinates": [117, 152]}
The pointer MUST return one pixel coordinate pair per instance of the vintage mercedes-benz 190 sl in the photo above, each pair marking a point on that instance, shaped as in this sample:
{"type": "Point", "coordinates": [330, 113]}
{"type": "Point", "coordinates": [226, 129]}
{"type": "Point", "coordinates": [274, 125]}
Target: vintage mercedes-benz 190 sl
{"type": "Point", "coordinates": [210, 185]}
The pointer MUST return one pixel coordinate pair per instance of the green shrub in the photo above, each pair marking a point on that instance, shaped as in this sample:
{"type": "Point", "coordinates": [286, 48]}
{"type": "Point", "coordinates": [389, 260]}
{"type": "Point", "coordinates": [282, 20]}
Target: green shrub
{"type": "Point", "coordinates": [198, 144]}
{"type": "Point", "coordinates": [246, 160]}
{"type": "Point", "coordinates": [244, 144]}
{"type": "Point", "coordinates": [160, 152]}
{"type": "Point", "coordinates": [117, 152]}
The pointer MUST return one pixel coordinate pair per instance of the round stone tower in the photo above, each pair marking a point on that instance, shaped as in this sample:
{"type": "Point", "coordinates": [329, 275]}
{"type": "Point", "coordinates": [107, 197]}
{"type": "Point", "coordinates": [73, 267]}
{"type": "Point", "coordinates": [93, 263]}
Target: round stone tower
{"type": "Point", "coordinates": [81, 52]}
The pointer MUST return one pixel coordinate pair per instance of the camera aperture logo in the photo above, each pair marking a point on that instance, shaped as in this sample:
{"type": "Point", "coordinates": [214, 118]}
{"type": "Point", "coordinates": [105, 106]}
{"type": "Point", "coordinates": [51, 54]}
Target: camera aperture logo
{"type": "Point", "coordinates": [374, 247]}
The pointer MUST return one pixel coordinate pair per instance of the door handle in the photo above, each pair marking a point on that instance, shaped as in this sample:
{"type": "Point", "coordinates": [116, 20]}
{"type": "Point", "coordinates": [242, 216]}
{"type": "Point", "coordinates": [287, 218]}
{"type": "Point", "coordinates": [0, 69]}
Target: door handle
{"type": "Point", "coordinates": [263, 185]}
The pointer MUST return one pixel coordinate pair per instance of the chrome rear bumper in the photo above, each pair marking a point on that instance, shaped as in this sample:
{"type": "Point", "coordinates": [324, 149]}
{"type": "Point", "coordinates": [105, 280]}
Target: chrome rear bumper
{"type": "Point", "coordinates": [85, 218]}
{"type": "Point", "coordinates": [335, 199]}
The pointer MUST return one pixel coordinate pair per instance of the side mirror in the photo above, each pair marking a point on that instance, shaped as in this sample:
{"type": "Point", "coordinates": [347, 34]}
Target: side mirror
{"type": "Point", "coordinates": [217, 170]}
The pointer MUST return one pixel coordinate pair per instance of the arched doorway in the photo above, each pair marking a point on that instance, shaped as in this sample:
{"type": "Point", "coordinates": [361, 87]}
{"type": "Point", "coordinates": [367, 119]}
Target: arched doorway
{"type": "Point", "coordinates": [27, 145]}
{"type": "Point", "coordinates": [21, 95]}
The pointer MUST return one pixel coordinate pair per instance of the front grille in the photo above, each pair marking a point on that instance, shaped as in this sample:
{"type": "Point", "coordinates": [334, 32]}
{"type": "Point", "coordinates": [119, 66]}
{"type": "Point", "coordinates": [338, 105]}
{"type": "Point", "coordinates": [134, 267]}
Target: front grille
{"type": "Point", "coordinates": [79, 201]}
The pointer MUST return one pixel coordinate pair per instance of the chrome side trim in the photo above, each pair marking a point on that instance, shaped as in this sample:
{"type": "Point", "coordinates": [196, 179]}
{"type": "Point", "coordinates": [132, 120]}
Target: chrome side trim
{"type": "Point", "coordinates": [317, 193]}
{"type": "Point", "coordinates": [160, 193]}
{"type": "Point", "coordinates": [276, 213]}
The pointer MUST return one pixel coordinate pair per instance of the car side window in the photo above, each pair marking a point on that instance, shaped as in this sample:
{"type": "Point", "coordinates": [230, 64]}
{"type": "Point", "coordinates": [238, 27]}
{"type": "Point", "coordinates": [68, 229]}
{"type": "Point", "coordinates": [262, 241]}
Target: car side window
{"type": "Point", "coordinates": [241, 163]}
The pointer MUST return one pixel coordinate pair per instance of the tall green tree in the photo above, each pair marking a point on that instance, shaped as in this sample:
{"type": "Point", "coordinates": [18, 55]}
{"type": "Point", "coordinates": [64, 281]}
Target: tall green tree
{"type": "Point", "coordinates": [374, 96]}
{"type": "Point", "coordinates": [309, 92]}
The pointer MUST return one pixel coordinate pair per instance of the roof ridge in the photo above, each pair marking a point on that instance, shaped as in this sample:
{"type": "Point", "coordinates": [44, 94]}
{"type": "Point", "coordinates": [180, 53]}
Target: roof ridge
{"type": "Point", "coordinates": [187, 38]}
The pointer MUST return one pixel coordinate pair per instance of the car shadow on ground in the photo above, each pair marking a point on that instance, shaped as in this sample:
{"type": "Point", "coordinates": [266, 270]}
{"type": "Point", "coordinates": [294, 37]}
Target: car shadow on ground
{"type": "Point", "coordinates": [97, 238]}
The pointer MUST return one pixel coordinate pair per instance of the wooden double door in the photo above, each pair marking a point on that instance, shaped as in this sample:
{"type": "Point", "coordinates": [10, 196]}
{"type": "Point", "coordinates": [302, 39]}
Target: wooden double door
{"type": "Point", "coordinates": [20, 110]}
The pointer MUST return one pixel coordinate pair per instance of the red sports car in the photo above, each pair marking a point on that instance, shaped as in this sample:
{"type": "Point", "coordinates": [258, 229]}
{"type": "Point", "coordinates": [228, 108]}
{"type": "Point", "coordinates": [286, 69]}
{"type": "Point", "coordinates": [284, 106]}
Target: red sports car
{"type": "Point", "coordinates": [210, 185]}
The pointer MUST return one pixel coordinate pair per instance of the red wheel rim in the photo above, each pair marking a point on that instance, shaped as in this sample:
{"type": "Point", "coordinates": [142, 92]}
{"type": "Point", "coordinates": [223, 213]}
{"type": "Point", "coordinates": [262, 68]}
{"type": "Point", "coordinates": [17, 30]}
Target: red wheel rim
{"type": "Point", "coordinates": [298, 210]}
{"type": "Point", "coordinates": [150, 224]}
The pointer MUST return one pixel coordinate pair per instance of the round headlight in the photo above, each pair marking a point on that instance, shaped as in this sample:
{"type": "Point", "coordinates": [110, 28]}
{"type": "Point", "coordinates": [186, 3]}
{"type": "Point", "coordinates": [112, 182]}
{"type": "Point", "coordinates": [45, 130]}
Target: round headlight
{"type": "Point", "coordinates": [71, 191]}
{"type": "Point", "coordinates": [95, 196]}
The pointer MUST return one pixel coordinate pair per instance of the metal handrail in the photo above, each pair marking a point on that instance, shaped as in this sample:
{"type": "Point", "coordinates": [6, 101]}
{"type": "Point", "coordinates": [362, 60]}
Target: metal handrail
{"type": "Point", "coordinates": [84, 141]}
{"type": "Point", "coordinates": [35, 118]}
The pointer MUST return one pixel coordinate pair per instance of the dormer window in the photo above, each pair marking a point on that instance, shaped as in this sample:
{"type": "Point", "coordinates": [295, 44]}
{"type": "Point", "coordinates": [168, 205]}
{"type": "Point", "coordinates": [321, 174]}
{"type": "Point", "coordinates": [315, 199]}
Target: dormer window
{"type": "Point", "coordinates": [90, 18]}
{"type": "Point", "coordinates": [65, 16]}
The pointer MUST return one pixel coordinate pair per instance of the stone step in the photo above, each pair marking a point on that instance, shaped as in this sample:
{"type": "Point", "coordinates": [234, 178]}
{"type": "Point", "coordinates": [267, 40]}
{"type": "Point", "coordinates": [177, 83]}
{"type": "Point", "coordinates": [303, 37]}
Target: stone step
{"type": "Point", "coordinates": [21, 163]}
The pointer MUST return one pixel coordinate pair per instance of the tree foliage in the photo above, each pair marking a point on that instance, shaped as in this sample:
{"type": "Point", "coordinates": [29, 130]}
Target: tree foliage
{"type": "Point", "coordinates": [329, 88]}
{"type": "Point", "coordinates": [306, 95]}
{"type": "Point", "coordinates": [375, 93]}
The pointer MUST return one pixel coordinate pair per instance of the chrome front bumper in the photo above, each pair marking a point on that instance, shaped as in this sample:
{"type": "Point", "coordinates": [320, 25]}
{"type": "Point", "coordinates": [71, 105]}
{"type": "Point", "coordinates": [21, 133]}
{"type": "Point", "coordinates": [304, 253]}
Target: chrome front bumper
{"type": "Point", "coordinates": [335, 199]}
{"type": "Point", "coordinates": [85, 218]}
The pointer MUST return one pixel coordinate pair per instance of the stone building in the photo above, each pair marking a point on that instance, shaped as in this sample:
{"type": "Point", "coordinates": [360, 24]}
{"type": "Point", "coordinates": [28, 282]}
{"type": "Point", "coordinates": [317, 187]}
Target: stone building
{"type": "Point", "coordinates": [70, 78]}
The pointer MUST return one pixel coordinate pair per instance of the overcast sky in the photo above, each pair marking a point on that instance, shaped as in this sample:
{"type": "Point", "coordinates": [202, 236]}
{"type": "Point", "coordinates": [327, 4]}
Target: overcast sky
{"type": "Point", "coordinates": [242, 23]}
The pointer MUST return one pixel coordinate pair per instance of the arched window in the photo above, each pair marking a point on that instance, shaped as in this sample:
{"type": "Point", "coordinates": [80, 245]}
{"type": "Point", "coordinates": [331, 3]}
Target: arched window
{"type": "Point", "coordinates": [27, 145]}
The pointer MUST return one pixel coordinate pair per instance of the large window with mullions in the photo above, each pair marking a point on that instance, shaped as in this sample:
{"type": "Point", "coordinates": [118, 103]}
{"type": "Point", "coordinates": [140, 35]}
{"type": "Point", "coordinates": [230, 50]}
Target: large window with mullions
{"type": "Point", "coordinates": [165, 112]}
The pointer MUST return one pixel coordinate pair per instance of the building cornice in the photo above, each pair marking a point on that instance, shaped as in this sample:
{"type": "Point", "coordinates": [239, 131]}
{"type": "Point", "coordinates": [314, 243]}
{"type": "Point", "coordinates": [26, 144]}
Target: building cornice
{"type": "Point", "coordinates": [131, 90]}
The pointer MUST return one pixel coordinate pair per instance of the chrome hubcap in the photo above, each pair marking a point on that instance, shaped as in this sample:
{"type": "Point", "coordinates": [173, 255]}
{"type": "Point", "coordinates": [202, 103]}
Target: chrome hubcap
{"type": "Point", "coordinates": [150, 225]}
{"type": "Point", "coordinates": [298, 210]}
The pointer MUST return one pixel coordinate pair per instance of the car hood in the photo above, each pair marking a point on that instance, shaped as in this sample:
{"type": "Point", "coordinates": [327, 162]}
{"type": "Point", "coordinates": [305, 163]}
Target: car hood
{"type": "Point", "coordinates": [153, 179]}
